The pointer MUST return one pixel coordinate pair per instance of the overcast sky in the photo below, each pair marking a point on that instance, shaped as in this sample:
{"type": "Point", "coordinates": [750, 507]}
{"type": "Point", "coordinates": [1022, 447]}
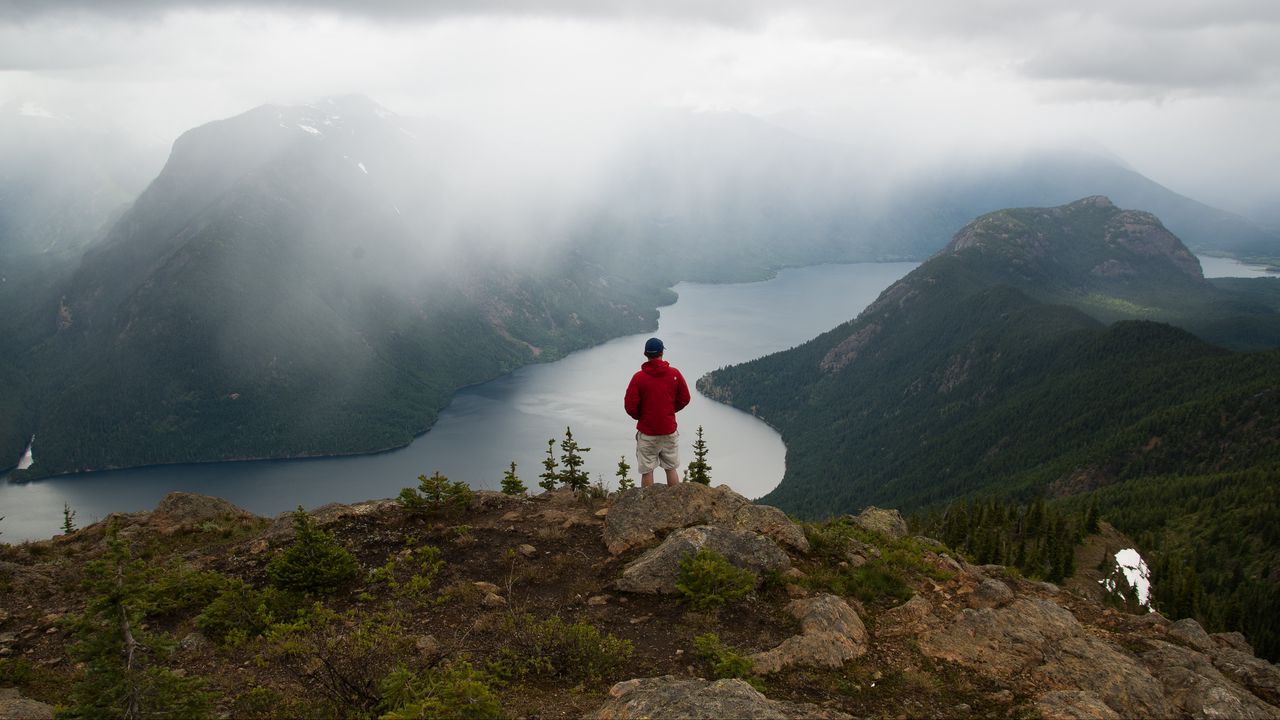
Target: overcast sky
{"type": "Point", "coordinates": [1187, 92]}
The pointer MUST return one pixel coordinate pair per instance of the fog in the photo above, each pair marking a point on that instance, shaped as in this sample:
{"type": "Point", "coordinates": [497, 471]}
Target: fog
{"type": "Point", "coordinates": [1185, 92]}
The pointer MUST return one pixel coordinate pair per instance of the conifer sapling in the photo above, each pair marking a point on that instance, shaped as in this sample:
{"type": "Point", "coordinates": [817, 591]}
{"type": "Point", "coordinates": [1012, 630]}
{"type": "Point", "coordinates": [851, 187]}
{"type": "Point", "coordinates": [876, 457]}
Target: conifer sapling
{"type": "Point", "coordinates": [573, 475]}
{"type": "Point", "coordinates": [511, 484]}
{"type": "Point", "coordinates": [550, 477]}
{"type": "Point", "coordinates": [624, 474]}
{"type": "Point", "coordinates": [699, 469]}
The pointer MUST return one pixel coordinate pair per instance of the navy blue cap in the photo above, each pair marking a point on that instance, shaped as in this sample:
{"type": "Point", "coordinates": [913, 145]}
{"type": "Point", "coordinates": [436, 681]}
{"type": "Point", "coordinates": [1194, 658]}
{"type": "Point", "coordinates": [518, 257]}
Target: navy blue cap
{"type": "Point", "coordinates": [653, 346]}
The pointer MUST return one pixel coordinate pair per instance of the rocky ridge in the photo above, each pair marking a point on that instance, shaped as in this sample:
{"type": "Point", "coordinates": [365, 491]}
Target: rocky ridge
{"type": "Point", "coordinates": [969, 641]}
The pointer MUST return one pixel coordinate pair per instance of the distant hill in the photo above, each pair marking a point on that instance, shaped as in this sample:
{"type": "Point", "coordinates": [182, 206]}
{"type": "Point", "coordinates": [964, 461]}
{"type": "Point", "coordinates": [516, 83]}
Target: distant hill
{"type": "Point", "coordinates": [989, 371]}
{"type": "Point", "coordinates": [273, 294]}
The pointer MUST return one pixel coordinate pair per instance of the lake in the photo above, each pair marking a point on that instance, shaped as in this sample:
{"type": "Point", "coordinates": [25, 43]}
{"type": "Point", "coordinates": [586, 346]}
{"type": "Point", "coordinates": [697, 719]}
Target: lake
{"type": "Point", "coordinates": [511, 418]}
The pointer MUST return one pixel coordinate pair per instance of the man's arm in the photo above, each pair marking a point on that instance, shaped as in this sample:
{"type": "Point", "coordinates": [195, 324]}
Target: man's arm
{"type": "Point", "coordinates": [682, 392]}
{"type": "Point", "coordinates": [632, 400]}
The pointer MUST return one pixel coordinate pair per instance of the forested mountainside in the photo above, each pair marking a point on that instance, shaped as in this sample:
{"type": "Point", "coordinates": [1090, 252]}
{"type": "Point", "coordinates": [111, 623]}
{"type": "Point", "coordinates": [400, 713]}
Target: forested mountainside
{"type": "Point", "coordinates": [989, 371]}
{"type": "Point", "coordinates": [320, 279]}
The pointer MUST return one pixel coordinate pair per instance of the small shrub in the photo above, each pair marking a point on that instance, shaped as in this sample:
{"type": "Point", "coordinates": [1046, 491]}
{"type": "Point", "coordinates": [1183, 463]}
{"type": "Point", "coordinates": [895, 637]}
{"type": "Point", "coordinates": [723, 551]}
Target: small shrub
{"type": "Point", "coordinates": [456, 690]}
{"type": "Point", "coordinates": [724, 661]}
{"type": "Point", "coordinates": [241, 612]}
{"type": "Point", "coordinates": [511, 483]}
{"type": "Point", "coordinates": [412, 574]}
{"type": "Point", "coordinates": [434, 494]}
{"type": "Point", "coordinates": [339, 658]}
{"type": "Point", "coordinates": [262, 703]}
{"type": "Point", "coordinates": [315, 563]}
{"type": "Point", "coordinates": [179, 587]}
{"type": "Point", "coordinates": [708, 581]}
{"type": "Point", "coordinates": [555, 648]}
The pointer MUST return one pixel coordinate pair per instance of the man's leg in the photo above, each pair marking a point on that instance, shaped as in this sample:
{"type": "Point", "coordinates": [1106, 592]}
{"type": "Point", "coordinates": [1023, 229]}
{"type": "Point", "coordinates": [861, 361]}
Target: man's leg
{"type": "Point", "coordinates": [646, 479]}
{"type": "Point", "coordinates": [673, 478]}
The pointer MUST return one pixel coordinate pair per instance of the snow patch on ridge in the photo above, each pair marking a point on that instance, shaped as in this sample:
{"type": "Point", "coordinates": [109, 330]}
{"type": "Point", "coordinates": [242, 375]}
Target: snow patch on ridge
{"type": "Point", "coordinates": [363, 169]}
{"type": "Point", "coordinates": [1135, 572]}
{"type": "Point", "coordinates": [309, 129]}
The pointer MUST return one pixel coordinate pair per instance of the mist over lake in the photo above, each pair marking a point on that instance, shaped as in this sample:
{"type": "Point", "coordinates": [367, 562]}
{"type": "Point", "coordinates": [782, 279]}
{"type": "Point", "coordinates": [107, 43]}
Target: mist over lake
{"type": "Point", "coordinates": [511, 418]}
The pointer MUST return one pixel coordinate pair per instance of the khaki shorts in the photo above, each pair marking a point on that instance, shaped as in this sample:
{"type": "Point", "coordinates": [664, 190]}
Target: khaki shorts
{"type": "Point", "coordinates": [655, 450]}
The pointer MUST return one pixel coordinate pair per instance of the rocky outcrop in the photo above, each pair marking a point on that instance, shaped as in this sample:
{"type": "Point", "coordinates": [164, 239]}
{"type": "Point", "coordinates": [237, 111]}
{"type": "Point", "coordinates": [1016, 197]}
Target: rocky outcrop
{"type": "Point", "coordinates": [1074, 705]}
{"type": "Point", "coordinates": [640, 516]}
{"type": "Point", "coordinates": [1197, 689]}
{"type": "Point", "coordinates": [990, 593]}
{"type": "Point", "coordinates": [657, 569]}
{"type": "Point", "coordinates": [832, 633]}
{"type": "Point", "coordinates": [1037, 642]}
{"type": "Point", "coordinates": [13, 706]}
{"type": "Point", "coordinates": [181, 510]}
{"type": "Point", "coordinates": [885, 522]}
{"type": "Point", "coordinates": [697, 699]}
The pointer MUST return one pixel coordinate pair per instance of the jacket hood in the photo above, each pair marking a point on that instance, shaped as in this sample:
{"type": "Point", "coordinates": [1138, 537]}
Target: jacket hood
{"type": "Point", "coordinates": [656, 367]}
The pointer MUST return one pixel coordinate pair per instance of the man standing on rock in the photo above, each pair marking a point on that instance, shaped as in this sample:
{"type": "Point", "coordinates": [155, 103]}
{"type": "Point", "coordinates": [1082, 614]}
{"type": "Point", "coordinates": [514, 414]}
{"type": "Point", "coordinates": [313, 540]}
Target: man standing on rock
{"type": "Point", "coordinates": [656, 393]}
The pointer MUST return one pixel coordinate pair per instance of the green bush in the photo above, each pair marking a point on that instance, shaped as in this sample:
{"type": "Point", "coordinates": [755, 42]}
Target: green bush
{"type": "Point", "coordinates": [456, 690]}
{"type": "Point", "coordinates": [315, 563]}
{"type": "Point", "coordinates": [241, 612]}
{"type": "Point", "coordinates": [555, 648]}
{"type": "Point", "coordinates": [412, 574]}
{"type": "Point", "coordinates": [708, 581]}
{"type": "Point", "coordinates": [724, 661]}
{"type": "Point", "coordinates": [435, 493]}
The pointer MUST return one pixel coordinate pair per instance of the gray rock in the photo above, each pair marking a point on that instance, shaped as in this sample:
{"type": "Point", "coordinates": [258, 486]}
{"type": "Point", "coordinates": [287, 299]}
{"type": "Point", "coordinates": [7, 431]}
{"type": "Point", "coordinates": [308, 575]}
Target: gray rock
{"type": "Point", "coordinates": [1198, 689]}
{"type": "Point", "coordinates": [190, 509]}
{"type": "Point", "coordinates": [638, 517]}
{"type": "Point", "coordinates": [428, 647]}
{"type": "Point", "coordinates": [1189, 633]}
{"type": "Point", "coordinates": [990, 594]}
{"type": "Point", "coordinates": [911, 618]}
{"type": "Point", "coordinates": [885, 522]}
{"type": "Point", "coordinates": [1074, 705]}
{"type": "Point", "coordinates": [14, 705]}
{"type": "Point", "coordinates": [657, 569]}
{"type": "Point", "coordinates": [1233, 640]}
{"type": "Point", "coordinates": [831, 633]}
{"type": "Point", "coordinates": [1039, 643]}
{"type": "Point", "coordinates": [1254, 674]}
{"type": "Point", "coordinates": [696, 699]}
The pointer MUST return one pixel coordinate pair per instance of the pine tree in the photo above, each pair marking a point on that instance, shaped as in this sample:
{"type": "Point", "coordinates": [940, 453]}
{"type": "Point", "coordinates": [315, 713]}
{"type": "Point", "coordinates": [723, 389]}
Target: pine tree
{"type": "Point", "coordinates": [68, 519]}
{"type": "Point", "coordinates": [511, 484]}
{"type": "Point", "coordinates": [550, 476]}
{"type": "Point", "coordinates": [124, 678]}
{"type": "Point", "coordinates": [315, 563]}
{"type": "Point", "coordinates": [624, 474]}
{"type": "Point", "coordinates": [699, 469]}
{"type": "Point", "coordinates": [1091, 518]}
{"type": "Point", "coordinates": [573, 475]}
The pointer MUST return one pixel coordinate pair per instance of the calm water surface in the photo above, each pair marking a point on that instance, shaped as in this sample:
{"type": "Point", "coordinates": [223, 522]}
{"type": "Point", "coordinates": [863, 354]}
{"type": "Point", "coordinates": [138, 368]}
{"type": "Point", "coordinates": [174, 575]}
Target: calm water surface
{"type": "Point", "coordinates": [511, 418]}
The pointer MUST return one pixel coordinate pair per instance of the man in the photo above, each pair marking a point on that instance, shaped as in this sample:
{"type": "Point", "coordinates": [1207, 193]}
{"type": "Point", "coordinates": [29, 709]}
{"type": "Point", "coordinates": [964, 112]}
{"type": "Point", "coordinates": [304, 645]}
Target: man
{"type": "Point", "coordinates": [656, 393]}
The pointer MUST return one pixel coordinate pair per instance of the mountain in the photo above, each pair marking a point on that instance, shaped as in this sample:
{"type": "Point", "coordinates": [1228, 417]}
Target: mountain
{"type": "Point", "coordinates": [990, 370]}
{"type": "Point", "coordinates": [279, 290]}
{"type": "Point", "coordinates": [990, 365]}
{"type": "Point", "coordinates": [560, 605]}
{"type": "Point", "coordinates": [319, 279]}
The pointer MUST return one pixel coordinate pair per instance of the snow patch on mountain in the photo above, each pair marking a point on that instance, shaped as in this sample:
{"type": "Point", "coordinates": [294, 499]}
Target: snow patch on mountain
{"type": "Point", "coordinates": [309, 129]}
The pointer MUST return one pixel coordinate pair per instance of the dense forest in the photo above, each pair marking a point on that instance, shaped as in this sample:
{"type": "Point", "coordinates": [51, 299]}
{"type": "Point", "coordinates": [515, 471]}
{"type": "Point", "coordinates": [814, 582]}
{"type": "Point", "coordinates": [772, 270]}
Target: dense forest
{"type": "Point", "coordinates": [990, 372]}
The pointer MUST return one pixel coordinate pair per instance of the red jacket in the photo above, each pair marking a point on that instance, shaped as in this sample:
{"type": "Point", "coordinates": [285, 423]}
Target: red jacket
{"type": "Point", "coordinates": [656, 393]}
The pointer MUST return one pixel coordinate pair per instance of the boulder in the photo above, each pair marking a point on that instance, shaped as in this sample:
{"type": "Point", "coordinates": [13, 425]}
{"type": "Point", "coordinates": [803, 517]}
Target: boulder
{"type": "Point", "coordinates": [697, 699]}
{"type": "Point", "coordinates": [1189, 633]}
{"type": "Point", "coordinates": [910, 619]}
{"type": "Point", "coordinates": [885, 522]}
{"type": "Point", "coordinates": [832, 633]}
{"type": "Point", "coordinates": [1232, 640]}
{"type": "Point", "coordinates": [640, 516]}
{"type": "Point", "coordinates": [1198, 689]}
{"type": "Point", "coordinates": [1074, 705]}
{"type": "Point", "coordinates": [14, 705]}
{"type": "Point", "coordinates": [1036, 642]}
{"type": "Point", "coordinates": [990, 594]}
{"type": "Point", "coordinates": [181, 510]}
{"type": "Point", "coordinates": [1254, 674]}
{"type": "Point", "coordinates": [657, 569]}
